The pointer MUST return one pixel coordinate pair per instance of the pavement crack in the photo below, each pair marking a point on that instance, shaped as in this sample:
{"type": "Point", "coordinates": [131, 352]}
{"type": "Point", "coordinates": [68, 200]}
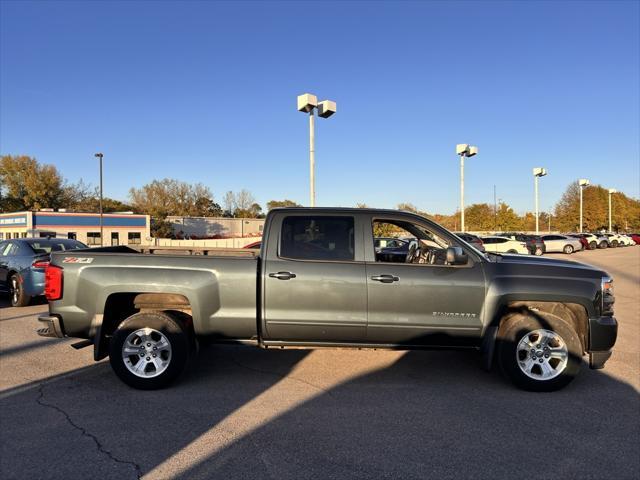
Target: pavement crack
{"type": "Point", "coordinates": [41, 401]}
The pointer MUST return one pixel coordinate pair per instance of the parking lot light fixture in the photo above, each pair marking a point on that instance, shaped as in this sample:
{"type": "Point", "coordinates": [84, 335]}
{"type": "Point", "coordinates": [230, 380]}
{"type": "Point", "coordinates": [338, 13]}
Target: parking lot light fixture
{"type": "Point", "coordinates": [308, 103]}
{"type": "Point", "coordinates": [464, 150]}
{"type": "Point", "coordinates": [611, 192]}
{"type": "Point", "coordinates": [537, 173]}
{"type": "Point", "coordinates": [99, 156]}
{"type": "Point", "coordinates": [583, 182]}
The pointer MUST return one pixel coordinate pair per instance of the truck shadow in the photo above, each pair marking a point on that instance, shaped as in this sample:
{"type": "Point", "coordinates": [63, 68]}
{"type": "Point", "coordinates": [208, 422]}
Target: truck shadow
{"type": "Point", "coordinates": [436, 415]}
{"type": "Point", "coordinates": [421, 414]}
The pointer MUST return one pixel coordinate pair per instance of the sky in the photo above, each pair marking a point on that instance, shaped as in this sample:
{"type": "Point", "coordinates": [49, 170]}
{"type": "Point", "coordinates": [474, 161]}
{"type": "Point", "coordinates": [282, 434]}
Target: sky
{"type": "Point", "coordinates": [206, 92]}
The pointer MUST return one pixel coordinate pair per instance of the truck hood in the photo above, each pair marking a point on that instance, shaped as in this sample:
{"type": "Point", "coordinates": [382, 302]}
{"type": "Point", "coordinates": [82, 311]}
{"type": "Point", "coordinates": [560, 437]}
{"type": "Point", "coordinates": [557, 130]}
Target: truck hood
{"type": "Point", "coordinates": [535, 263]}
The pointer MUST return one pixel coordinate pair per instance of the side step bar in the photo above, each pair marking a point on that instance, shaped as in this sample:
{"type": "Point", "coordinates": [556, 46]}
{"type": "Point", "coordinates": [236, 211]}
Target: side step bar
{"type": "Point", "coordinates": [82, 344]}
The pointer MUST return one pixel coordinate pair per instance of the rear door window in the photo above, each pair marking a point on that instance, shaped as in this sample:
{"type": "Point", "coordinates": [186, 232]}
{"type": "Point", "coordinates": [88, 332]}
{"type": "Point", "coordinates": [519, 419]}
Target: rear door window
{"type": "Point", "coordinates": [317, 238]}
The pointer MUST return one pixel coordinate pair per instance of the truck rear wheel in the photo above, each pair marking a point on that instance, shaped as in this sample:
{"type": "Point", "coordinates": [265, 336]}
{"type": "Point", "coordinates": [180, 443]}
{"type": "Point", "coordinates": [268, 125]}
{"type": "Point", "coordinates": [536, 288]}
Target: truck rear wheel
{"type": "Point", "coordinates": [150, 350]}
{"type": "Point", "coordinates": [539, 351]}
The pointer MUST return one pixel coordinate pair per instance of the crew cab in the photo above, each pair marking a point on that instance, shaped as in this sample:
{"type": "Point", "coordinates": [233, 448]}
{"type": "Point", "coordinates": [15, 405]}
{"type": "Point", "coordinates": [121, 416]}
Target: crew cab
{"type": "Point", "coordinates": [317, 281]}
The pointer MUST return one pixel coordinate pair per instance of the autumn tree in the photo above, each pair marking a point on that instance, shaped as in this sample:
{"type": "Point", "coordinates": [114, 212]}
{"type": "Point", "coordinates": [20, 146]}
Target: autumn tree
{"type": "Point", "coordinates": [625, 210]}
{"type": "Point", "coordinates": [162, 198]}
{"type": "Point", "coordinates": [241, 205]}
{"type": "Point", "coordinates": [28, 185]}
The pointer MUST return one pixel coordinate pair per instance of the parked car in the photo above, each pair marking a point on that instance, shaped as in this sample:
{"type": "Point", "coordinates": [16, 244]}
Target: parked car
{"type": "Point", "coordinates": [535, 245]}
{"type": "Point", "coordinates": [561, 243]}
{"type": "Point", "coordinates": [617, 240]}
{"type": "Point", "coordinates": [317, 283]}
{"type": "Point", "coordinates": [254, 245]}
{"type": "Point", "coordinates": [23, 262]}
{"type": "Point", "coordinates": [581, 237]}
{"type": "Point", "coordinates": [603, 240]}
{"type": "Point", "coordinates": [391, 249]}
{"type": "Point", "coordinates": [504, 245]}
{"type": "Point", "coordinates": [627, 241]}
{"type": "Point", "coordinates": [591, 239]}
{"type": "Point", "coordinates": [635, 237]}
{"type": "Point", "coordinates": [474, 240]}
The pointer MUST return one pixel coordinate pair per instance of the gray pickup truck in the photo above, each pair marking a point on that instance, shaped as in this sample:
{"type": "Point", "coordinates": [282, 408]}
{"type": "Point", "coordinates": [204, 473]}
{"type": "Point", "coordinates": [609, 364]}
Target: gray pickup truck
{"type": "Point", "coordinates": [320, 281]}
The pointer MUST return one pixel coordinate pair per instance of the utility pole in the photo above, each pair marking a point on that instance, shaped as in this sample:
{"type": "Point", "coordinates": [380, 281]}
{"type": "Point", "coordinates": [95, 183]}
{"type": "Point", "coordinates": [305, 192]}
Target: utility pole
{"type": "Point", "coordinates": [99, 156]}
{"type": "Point", "coordinates": [611, 192]}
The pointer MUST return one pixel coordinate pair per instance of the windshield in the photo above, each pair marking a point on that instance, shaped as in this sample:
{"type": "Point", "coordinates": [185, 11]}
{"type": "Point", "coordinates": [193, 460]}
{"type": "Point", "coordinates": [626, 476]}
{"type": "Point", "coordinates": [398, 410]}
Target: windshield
{"type": "Point", "coordinates": [53, 245]}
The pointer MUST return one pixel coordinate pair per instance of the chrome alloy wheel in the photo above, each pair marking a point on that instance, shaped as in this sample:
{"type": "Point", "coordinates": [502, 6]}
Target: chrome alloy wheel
{"type": "Point", "coordinates": [542, 354]}
{"type": "Point", "coordinates": [146, 353]}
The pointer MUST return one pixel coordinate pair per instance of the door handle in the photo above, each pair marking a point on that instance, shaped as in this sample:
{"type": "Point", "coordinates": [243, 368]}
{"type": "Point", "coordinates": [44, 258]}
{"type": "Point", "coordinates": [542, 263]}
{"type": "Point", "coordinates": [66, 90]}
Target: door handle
{"type": "Point", "coordinates": [385, 278]}
{"type": "Point", "coordinates": [283, 275]}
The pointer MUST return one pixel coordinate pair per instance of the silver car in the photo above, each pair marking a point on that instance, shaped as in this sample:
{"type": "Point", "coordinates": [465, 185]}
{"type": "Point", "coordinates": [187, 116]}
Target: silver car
{"type": "Point", "coordinates": [561, 243]}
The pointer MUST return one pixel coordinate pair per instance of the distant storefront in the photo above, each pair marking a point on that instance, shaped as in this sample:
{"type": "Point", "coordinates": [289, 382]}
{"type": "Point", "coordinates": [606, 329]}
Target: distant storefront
{"type": "Point", "coordinates": [118, 228]}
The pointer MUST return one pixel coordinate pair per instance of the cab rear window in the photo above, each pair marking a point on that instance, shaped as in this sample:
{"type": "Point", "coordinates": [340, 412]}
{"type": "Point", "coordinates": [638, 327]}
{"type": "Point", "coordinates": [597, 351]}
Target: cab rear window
{"type": "Point", "coordinates": [317, 238]}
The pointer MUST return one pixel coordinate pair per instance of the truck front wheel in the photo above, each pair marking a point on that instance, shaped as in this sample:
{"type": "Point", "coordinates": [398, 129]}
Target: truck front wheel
{"type": "Point", "coordinates": [150, 350]}
{"type": "Point", "coordinates": [539, 351]}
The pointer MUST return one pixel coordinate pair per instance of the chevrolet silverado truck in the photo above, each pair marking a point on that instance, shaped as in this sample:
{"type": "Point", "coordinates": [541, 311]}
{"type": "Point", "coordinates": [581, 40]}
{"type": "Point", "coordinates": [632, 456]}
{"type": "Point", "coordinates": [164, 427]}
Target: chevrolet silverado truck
{"type": "Point", "coordinates": [317, 281]}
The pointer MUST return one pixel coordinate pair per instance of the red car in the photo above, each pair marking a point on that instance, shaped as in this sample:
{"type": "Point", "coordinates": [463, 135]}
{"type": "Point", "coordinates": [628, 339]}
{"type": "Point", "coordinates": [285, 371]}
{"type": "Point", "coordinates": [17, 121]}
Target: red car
{"type": "Point", "coordinates": [581, 237]}
{"type": "Point", "coordinates": [254, 245]}
{"type": "Point", "coordinates": [635, 237]}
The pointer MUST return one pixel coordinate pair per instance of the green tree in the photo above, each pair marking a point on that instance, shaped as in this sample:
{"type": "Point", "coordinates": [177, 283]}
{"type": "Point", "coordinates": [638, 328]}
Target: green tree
{"type": "Point", "coordinates": [479, 217]}
{"type": "Point", "coordinates": [507, 219]}
{"type": "Point", "coordinates": [271, 204]}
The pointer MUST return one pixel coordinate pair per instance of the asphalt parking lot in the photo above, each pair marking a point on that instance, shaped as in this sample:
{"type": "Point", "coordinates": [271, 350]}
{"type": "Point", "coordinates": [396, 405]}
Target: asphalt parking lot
{"type": "Point", "coordinates": [242, 412]}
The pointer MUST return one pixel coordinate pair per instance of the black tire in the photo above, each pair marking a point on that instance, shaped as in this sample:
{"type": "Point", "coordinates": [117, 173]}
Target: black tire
{"type": "Point", "coordinates": [174, 330]}
{"type": "Point", "coordinates": [593, 245]}
{"type": "Point", "coordinates": [512, 251]}
{"type": "Point", "coordinates": [18, 297]}
{"type": "Point", "coordinates": [614, 244]}
{"type": "Point", "coordinates": [568, 249]}
{"type": "Point", "coordinates": [515, 328]}
{"type": "Point", "coordinates": [603, 244]}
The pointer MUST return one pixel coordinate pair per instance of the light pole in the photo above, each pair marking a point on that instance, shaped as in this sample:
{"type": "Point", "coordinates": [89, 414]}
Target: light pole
{"type": "Point", "coordinates": [99, 156]}
{"type": "Point", "coordinates": [611, 192]}
{"type": "Point", "coordinates": [464, 150]}
{"type": "Point", "coordinates": [307, 103]}
{"type": "Point", "coordinates": [583, 182]}
{"type": "Point", "coordinates": [537, 173]}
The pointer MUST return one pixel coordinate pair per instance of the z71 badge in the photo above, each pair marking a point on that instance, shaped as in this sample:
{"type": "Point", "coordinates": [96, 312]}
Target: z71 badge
{"type": "Point", "coordinates": [77, 260]}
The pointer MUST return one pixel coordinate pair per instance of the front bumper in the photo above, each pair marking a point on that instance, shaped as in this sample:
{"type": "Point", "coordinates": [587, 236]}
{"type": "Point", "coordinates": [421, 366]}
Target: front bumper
{"type": "Point", "coordinates": [52, 327]}
{"type": "Point", "coordinates": [603, 333]}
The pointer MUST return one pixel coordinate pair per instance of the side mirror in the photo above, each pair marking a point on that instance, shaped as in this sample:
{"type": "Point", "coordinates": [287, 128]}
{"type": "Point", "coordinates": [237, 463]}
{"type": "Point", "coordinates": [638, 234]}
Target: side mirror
{"type": "Point", "coordinates": [456, 256]}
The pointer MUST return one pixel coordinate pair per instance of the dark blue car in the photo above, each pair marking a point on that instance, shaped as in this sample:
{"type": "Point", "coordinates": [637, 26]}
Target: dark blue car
{"type": "Point", "coordinates": [22, 264]}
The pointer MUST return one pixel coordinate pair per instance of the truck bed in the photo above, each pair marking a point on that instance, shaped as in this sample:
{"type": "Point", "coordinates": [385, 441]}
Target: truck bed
{"type": "Point", "coordinates": [221, 290]}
